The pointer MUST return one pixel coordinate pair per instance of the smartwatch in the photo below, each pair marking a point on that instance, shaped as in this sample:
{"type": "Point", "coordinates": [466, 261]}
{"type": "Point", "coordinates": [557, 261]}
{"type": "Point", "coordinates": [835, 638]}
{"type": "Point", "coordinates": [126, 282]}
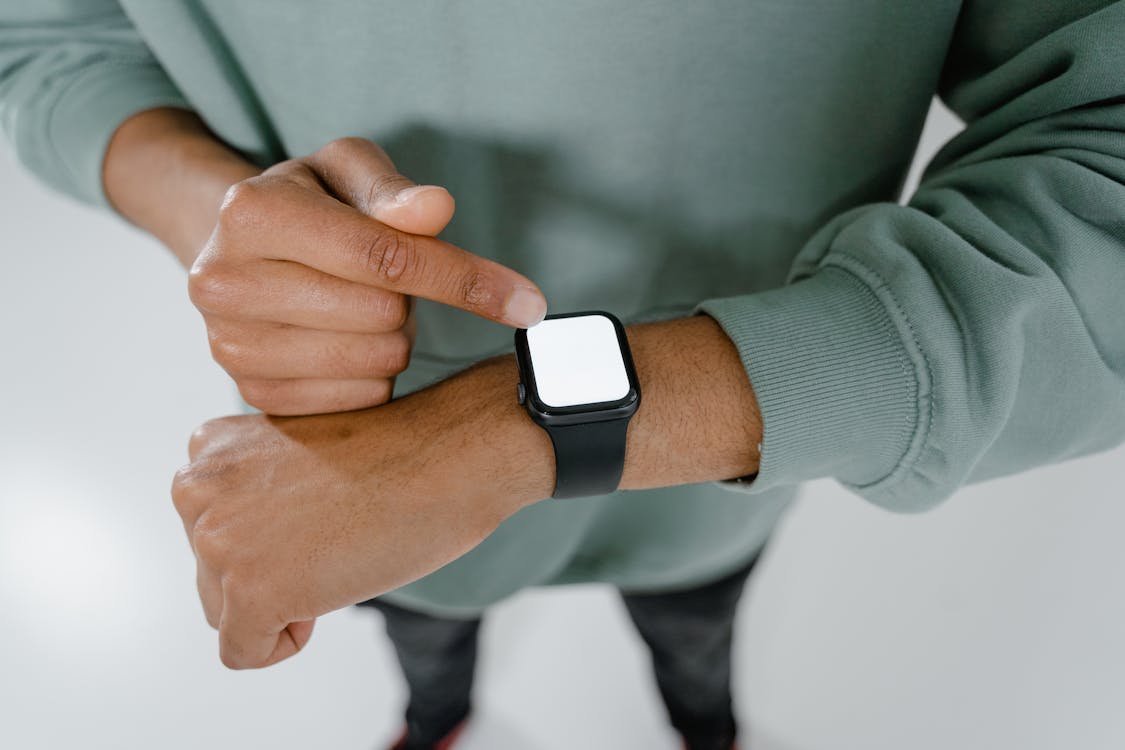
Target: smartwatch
{"type": "Point", "coordinates": [578, 382]}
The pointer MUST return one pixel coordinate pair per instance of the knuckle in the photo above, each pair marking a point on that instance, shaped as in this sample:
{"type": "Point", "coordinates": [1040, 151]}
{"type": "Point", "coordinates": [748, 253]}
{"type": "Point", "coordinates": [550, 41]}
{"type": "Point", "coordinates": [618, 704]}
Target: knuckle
{"type": "Point", "coordinates": [184, 489]}
{"type": "Point", "coordinates": [474, 290]}
{"type": "Point", "coordinates": [337, 359]}
{"type": "Point", "coordinates": [210, 288]}
{"type": "Point", "coordinates": [382, 185]}
{"type": "Point", "coordinates": [214, 466]}
{"type": "Point", "coordinates": [197, 443]}
{"type": "Point", "coordinates": [283, 177]}
{"type": "Point", "coordinates": [393, 310]}
{"type": "Point", "coordinates": [200, 438]}
{"type": "Point", "coordinates": [349, 148]}
{"type": "Point", "coordinates": [261, 394]}
{"type": "Point", "coordinates": [220, 542]}
{"type": "Point", "coordinates": [252, 205]}
{"type": "Point", "coordinates": [207, 431]}
{"type": "Point", "coordinates": [389, 256]}
{"type": "Point", "coordinates": [383, 391]}
{"type": "Point", "coordinates": [242, 197]}
{"type": "Point", "coordinates": [394, 354]}
{"type": "Point", "coordinates": [341, 148]}
{"type": "Point", "coordinates": [282, 169]}
{"type": "Point", "coordinates": [234, 357]}
{"type": "Point", "coordinates": [209, 540]}
{"type": "Point", "coordinates": [245, 588]}
{"type": "Point", "coordinates": [238, 588]}
{"type": "Point", "coordinates": [232, 657]}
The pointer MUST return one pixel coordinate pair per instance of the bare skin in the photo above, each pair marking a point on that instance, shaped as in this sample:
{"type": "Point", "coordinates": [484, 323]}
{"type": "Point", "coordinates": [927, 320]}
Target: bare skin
{"type": "Point", "coordinates": [294, 517]}
{"type": "Point", "coordinates": [304, 273]}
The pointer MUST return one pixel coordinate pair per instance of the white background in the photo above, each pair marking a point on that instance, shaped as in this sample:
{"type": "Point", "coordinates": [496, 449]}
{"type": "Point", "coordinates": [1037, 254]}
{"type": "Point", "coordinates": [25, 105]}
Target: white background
{"type": "Point", "coordinates": [993, 622]}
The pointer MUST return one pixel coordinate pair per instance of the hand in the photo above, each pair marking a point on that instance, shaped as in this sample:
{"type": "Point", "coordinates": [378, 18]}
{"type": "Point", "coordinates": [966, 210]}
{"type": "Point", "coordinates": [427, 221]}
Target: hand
{"type": "Point", "coordinates": [306, 280]}
{"type": "Point", "coordinates": [291, 518]}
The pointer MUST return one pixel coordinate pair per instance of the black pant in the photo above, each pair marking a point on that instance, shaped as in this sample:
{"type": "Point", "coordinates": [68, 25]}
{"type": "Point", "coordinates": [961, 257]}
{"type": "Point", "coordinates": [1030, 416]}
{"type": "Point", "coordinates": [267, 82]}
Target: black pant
{"type": "Point", "coordinates": [688, 632]}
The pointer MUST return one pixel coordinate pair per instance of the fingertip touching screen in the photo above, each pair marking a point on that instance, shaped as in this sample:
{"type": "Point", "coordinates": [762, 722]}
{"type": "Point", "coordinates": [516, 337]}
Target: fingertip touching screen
{"type": "Point", "coordinates": [577, 361]}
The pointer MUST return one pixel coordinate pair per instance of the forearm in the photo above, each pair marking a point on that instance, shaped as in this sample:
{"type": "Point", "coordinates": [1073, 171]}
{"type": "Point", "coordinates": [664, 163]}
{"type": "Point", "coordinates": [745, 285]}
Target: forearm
{"type": "Point", "coordinates": [167, 173]}
{"type": "Point", "coordinates": [298, 516]}
{"type": "Point", "coordinates": [698, 420]}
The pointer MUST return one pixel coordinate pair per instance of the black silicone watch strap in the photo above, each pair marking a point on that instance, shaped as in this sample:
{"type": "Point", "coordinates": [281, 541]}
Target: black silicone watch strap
{"type": "Point", "coordinates": [589, 458]}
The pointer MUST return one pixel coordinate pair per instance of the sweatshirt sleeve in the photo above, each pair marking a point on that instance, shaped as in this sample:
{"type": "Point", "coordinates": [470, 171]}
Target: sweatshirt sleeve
{"type": "Point", "coordinates": [979, 330]}
{"type": "Point", "coordinates": [71, 71]}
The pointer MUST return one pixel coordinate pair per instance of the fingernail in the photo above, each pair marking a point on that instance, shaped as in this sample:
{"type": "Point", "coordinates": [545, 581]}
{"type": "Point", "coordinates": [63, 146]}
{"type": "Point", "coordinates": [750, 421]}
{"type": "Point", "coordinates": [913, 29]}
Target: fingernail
{"type": "Point", "coordinates": [525, 307]}
{"type": "Point", "coordinates": [403, 196]}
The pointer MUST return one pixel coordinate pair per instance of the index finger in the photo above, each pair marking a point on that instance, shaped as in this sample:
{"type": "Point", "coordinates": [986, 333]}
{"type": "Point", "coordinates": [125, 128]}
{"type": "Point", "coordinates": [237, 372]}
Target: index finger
{"type": "Point", "coordinates": [339, 240]}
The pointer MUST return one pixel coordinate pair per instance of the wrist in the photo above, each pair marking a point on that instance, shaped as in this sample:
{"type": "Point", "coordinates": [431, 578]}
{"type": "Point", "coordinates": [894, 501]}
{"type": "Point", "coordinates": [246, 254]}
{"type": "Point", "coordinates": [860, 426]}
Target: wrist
{"type": "Point", "coordinates": [698, 420]}
{"type": "Point", "coordinates": [165, 172]}
{"type": "Point", "coordinates": [504, 453]}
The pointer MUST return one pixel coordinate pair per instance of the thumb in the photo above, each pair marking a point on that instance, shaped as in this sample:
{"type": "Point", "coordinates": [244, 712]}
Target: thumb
{"type": "Point", "coordinates": [361, 174]}
{"type": "Point", "coordinates": [416, 209]}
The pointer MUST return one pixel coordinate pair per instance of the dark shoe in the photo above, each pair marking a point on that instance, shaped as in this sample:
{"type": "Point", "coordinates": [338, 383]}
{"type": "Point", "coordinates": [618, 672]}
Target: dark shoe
{"type": "Point", "coordinates": [445, 743]}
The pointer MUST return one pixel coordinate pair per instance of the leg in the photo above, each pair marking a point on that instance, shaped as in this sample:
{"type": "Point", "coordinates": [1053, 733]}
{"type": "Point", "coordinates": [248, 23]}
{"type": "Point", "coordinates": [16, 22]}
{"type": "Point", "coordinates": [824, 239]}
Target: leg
{"type": "Point", "coordinates": [689, 633]}
{"type": "Point", "coordinates": [438, 657]}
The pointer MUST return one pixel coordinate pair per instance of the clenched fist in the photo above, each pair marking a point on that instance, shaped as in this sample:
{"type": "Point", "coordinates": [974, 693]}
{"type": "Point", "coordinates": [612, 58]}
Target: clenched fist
{"type": "Point", "coordinates": [293, 517]}
{"type": "Point", "coordinates": [305, 283]}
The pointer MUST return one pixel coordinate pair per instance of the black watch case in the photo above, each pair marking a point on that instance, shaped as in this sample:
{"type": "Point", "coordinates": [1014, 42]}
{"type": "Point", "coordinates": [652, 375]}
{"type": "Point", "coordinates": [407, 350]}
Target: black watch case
{"type": "Point", "coordinates": [554, 416]}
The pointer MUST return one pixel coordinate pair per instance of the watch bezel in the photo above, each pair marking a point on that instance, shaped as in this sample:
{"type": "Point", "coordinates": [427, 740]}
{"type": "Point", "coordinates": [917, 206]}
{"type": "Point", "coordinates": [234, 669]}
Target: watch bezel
{"type": "Point", "coordinates": [603, 411]}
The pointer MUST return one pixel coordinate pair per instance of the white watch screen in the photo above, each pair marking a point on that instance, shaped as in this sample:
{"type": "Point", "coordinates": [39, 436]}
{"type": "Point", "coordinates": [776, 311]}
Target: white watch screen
{"type": "Point", "coordinates": [577, 361]}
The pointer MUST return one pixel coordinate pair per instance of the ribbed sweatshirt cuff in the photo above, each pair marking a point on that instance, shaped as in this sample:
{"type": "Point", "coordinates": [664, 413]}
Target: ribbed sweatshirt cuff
{"type": "Point", "coordinates": [834, 382]}
{"type": "Point", "coordinates": [86, 115]}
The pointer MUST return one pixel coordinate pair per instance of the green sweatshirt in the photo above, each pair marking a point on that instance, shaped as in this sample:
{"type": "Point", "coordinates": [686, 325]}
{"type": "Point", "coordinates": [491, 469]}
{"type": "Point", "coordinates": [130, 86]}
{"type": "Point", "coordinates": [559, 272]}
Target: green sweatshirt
{"type": "Point", "coordinates": [656, 158]}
